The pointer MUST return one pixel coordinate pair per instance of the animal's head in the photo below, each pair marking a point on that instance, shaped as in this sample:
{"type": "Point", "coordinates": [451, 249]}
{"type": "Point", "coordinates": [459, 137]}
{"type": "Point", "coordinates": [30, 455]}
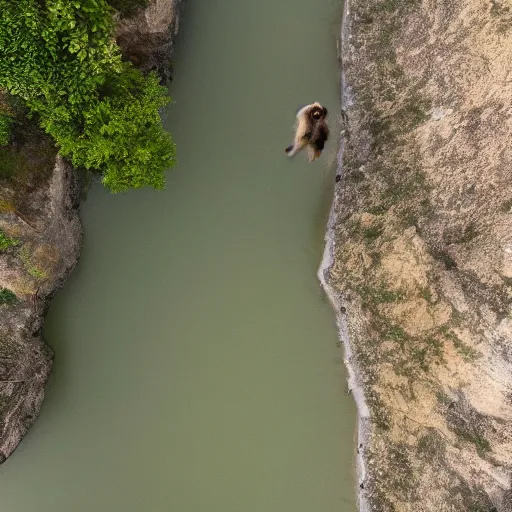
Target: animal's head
{"type": "Point", "coordinates": [318, 112]}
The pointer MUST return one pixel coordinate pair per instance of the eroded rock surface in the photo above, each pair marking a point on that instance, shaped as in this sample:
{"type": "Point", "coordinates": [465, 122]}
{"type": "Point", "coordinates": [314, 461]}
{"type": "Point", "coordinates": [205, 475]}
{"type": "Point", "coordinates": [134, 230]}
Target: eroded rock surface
{"type": "Point", "coordinates": [39, 199]}
{"type": "Point", "coordinates": [147, 39]}
{"type": "Point", "coordinates": [48, 237]}
{"type": "Point", "coordinates": [422, 248]}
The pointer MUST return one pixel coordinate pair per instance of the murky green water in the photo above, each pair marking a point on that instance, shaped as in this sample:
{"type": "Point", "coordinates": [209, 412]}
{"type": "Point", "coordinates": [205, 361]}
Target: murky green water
{"type": "Point", "coordinates": [196, 365]}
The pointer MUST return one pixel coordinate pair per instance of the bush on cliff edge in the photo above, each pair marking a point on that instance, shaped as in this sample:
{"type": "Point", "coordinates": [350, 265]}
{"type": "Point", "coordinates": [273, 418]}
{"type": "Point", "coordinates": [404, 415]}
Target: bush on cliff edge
{"type": "Point", "coordinates": [60, 57]}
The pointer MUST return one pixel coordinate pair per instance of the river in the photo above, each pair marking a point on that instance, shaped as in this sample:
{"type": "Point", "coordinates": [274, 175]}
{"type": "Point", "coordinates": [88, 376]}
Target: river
{"type": "Point", "coordinates": [196, 365]}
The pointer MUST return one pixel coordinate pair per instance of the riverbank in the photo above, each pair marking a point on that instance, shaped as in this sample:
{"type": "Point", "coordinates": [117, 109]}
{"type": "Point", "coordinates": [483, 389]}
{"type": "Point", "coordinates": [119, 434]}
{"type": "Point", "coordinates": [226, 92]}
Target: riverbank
{"type": "Point", "coordinates": [39, 218]}
{"type": "Point", "coordinates": [354, 384]}
{"type": "Point", "coordinates": [46, 245]}
{"type": "Point", "coordinates": [420, 236]}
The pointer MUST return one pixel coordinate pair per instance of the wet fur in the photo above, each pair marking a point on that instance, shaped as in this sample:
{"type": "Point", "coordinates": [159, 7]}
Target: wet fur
{"type": "Point", "coordinates": [311, 129]}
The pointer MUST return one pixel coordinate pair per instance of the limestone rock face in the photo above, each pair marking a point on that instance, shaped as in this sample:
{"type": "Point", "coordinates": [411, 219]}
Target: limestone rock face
{"type": "Point", "coordinates": [147, 39]}
{"type": "Point", "coordinates": [49, 237]}
{"type": "Point", "coordinates": [421, 250]}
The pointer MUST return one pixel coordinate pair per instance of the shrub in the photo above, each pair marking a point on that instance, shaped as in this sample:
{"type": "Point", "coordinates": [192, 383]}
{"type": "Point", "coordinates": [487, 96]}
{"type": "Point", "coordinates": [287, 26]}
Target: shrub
{"type": "Point", "coordinates": [56, 53]}
{"type": "Point", "coordinates": [7, 296]}
{"type": "Point", "coordinates": [7, 242]}
{"type": "Point", "coordinates": [61, 59]}
{"type": "Point", "coordinates": [122, 135]}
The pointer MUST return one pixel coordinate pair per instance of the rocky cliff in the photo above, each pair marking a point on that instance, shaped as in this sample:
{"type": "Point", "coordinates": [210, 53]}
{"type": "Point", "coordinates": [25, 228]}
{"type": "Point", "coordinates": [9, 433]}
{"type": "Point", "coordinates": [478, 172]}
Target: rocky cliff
{"type": "Point", "coordinates": [40, 234]}
{"type": "Point", "coordinates": [148, 38]}
{"type": "Point", "coordinates": [42, 221]}
{"type": "Point", "coordinates": [419, 256]}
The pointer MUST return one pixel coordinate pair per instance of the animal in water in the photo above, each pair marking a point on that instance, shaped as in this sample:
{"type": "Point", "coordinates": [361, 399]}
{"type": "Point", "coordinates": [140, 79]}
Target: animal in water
{"type": "Point", "coordinates": [311, 130]}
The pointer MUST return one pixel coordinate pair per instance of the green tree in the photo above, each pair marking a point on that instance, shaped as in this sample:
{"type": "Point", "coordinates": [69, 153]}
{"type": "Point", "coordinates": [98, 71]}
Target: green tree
{"type": "Point", "coordinates": [122, 134]}
{"type": "Point", "coordinates": [60, 57]}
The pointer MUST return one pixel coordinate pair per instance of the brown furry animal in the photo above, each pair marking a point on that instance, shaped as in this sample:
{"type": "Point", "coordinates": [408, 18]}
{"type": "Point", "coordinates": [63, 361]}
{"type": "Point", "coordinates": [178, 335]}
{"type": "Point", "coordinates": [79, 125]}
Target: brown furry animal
{"type": "Point", "coordinates": [311, 129]}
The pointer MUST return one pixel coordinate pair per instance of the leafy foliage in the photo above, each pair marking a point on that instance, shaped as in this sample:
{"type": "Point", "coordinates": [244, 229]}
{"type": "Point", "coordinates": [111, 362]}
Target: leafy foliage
{"type": "Point", "coordinates": [61, 59]}
{"type": "Point", "coordinates": [122, 135]}
{"type": "Point", "coordinates": [55, 56]}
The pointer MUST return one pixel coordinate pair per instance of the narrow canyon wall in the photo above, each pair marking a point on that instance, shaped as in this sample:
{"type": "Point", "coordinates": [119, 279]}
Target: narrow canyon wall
{"type": "Point", "coordinates": [48, 235]}
{"type": "Point", "coordinates": [148, 38]}
{"type": "Point", "coordinates": [421, 233]}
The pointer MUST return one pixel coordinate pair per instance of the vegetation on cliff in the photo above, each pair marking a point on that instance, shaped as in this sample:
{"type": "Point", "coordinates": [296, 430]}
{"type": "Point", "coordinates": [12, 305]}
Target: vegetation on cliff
{"type": "Point", "coordinates": [60, 58]}
{"type": "Point", "coordinates": [63, 87]}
